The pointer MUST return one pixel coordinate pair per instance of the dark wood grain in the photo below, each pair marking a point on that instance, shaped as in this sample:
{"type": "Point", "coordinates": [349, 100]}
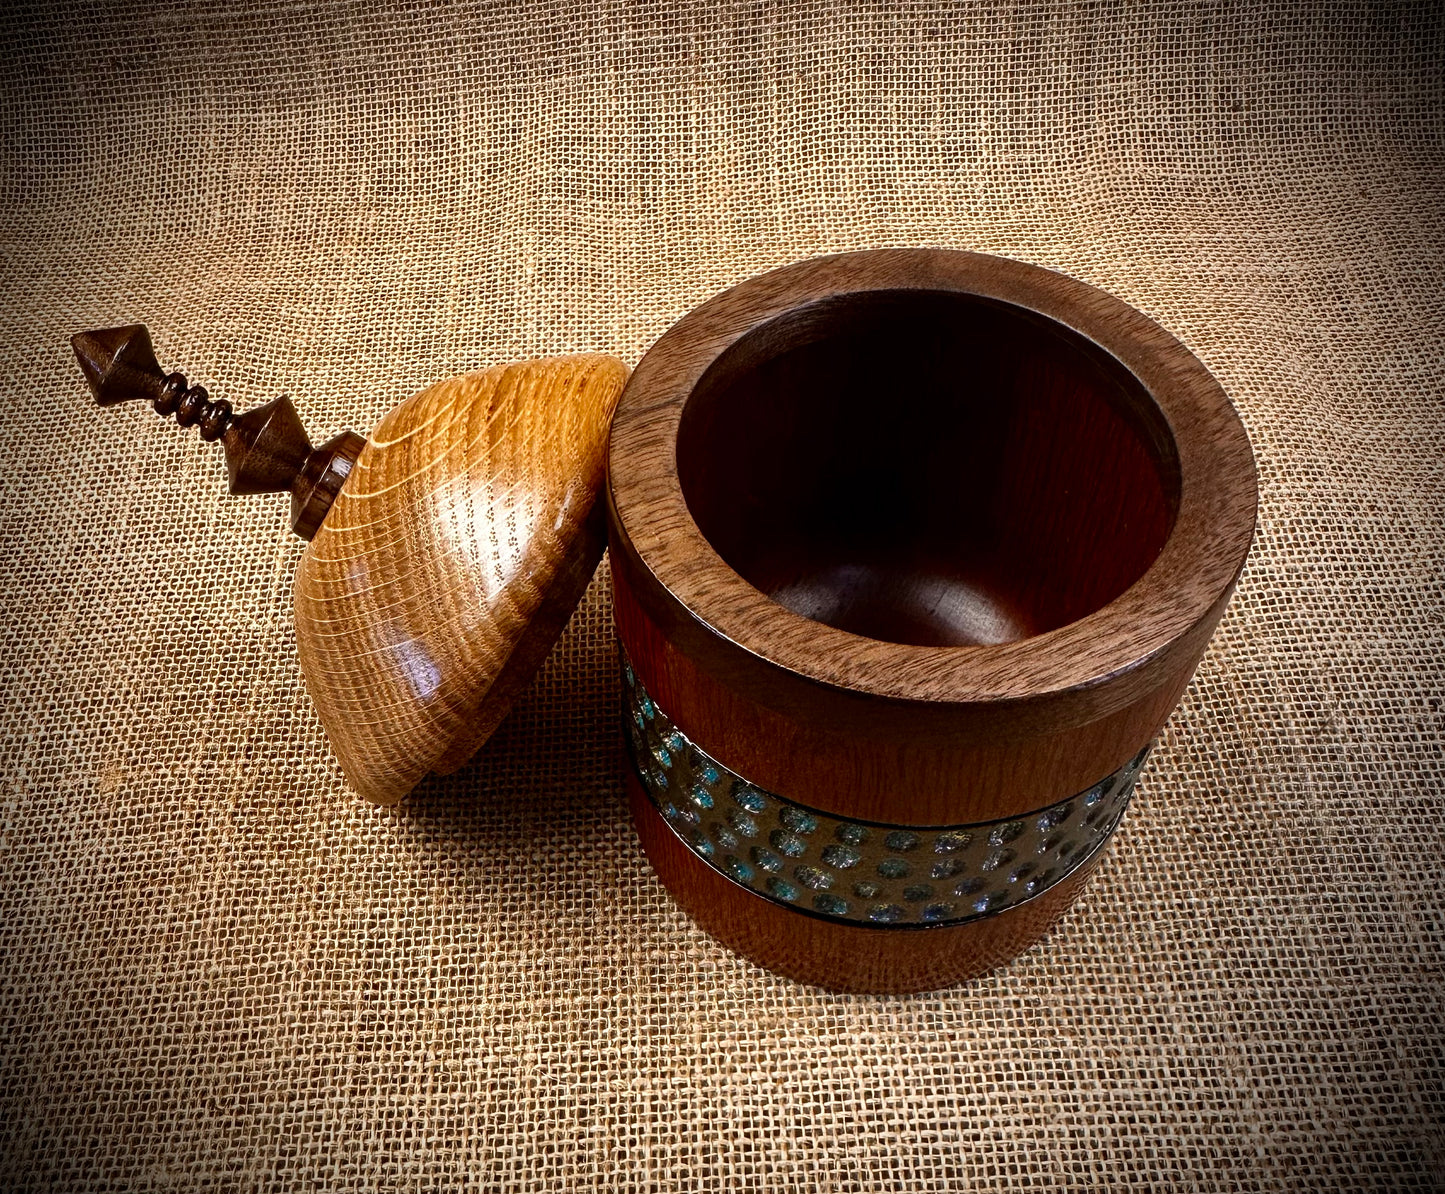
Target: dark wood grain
{"type": "Point", "coordinates": [1139, 629]}
{"type": "Point", "coordinates": [266, 448]}
{"type": "Point", "coordinates": [119, 365]}
{"type": "Point", "coordinates": [919, 537]}
{"type": "Point", "coordinates": [930, 469]}
{"type": "Point", "coordinates": [878, 764]}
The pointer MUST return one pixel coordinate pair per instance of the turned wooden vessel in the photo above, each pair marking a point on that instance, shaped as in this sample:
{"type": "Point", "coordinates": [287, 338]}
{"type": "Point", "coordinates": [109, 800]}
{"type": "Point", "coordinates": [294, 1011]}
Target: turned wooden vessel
{"type": "Point", "coordinates": [446, 552]}
{"type": "Point", "coordinates": [913, 553]}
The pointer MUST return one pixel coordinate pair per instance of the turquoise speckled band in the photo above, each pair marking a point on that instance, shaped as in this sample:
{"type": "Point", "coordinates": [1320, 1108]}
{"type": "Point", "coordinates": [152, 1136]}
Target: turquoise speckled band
{"type": "Point", "coordinates": [893, 876]}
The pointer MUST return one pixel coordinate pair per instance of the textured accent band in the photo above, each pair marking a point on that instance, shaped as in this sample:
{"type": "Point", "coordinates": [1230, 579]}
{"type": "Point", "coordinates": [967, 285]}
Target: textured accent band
{"type": "Point", "coordinates": [890, 876]}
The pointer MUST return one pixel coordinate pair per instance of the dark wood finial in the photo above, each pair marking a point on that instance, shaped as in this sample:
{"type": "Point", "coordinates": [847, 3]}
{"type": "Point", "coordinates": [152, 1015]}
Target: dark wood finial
{"type": "Point", "coordinates": [266, 448]}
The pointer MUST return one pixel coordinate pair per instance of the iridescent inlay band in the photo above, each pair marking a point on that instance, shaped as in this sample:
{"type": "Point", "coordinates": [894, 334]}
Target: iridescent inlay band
{"type": "Point", "coordinates": [870, 874]}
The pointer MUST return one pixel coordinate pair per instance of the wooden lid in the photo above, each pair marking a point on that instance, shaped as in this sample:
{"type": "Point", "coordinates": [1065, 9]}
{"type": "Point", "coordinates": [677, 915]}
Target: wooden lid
{"type": "Point", "coordinates": [450, 563]}
{"type": "Point", "coordinates": [446, 552]}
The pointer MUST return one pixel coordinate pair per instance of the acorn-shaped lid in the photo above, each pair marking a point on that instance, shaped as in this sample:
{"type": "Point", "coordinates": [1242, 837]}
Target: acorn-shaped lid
{"type": "Point", "coordinates": [446, 552]}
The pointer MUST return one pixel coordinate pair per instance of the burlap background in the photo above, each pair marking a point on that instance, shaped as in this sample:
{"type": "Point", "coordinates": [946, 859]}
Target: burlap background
{"type": "Point", "coordinates": [222, 971]}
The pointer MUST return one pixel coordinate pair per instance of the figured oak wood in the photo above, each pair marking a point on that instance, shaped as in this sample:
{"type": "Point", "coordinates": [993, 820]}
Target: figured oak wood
{"type": "Point", "coordinates": [450, 562]}
{"type": "Point", "coordinates": [916, 537]}
{"type": "Point", "coordinates": [428, 597]}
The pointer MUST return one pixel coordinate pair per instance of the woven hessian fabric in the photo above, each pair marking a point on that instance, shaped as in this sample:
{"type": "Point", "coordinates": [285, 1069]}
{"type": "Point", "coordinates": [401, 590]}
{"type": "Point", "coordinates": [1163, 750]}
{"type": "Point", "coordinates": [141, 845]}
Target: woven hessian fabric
{"type": "Point", "coordinates": [222, 971]}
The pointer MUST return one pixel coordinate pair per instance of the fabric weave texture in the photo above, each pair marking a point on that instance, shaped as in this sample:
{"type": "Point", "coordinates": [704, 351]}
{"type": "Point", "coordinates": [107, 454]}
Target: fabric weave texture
{"type": "Point", "coordinates": [222, 971]}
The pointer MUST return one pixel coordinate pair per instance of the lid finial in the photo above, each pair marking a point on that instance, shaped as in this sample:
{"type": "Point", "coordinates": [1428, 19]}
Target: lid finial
{"type": "Point", "coordinates": [266, 448]}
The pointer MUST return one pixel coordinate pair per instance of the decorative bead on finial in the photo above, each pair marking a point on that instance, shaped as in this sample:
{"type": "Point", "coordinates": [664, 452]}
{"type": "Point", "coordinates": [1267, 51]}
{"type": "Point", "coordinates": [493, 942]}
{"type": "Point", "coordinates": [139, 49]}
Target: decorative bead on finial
{"type": "Point", "coordinates": [192, 405]}
{"type": "Point", "coordinates": [266, 448]}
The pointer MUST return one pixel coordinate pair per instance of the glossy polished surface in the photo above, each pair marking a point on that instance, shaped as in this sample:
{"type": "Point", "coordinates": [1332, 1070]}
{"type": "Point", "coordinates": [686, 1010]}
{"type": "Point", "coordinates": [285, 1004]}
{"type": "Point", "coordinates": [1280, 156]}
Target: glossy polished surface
{"type": "Point", "coordinates": [886, 875]}
{"type": "Point", "coordinates": [922, 543]}
{"type": "Point", "coordinates": [266, 447]}
{"type": "Point", "coordinates": [834, 954]}
{"type": "Point", "coordinates": [450, 562]}
{"type": "Point", "coordinates": [1137, 395]}
{"type": "Point", "coordinates": [937, 469]}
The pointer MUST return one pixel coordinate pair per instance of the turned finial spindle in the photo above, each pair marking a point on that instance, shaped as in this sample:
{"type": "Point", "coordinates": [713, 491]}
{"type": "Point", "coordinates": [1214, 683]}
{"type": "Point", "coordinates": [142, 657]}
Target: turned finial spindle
{"type": "Point", "coordinates": [266, 448]}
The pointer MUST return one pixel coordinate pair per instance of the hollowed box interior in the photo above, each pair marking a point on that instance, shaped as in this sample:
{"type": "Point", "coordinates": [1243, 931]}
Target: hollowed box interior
{"type": "Point", "coordinates": [928, 467]}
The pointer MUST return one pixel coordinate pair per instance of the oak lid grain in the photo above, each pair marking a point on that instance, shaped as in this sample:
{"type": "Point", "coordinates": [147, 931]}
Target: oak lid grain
{"type": "Point", "coordinates": [450, 562]}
